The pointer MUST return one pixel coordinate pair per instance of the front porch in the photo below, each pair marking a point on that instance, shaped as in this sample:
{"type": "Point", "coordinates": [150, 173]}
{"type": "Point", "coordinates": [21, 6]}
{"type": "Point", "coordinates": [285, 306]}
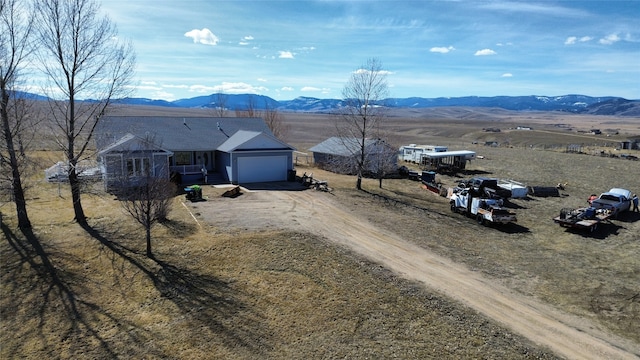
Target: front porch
{"type": "Point", "coordinates": [195, 174]}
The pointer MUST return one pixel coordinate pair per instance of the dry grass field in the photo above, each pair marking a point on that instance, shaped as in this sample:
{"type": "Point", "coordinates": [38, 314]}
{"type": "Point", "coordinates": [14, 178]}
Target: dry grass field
{"type": "Point", "coordinates": [227, 291]}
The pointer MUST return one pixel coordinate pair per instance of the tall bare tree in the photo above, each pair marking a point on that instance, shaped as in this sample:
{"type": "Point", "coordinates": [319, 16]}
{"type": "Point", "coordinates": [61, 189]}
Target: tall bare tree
{"type": "Point", "coordinates": [148, 203]}
{"type": "Point", "coordinates": [220, 101]}
{"type": "Point", "coordinates": [250, 111]}
{"type": "Point", "coordinates": [143, 187]}
{"type": "Point", "coordinates": [15, 47]}
{"type": "Point", "coordinates": [275, 121]}
{"type": "Point", "coordinates": [86, 68]}
{"type": "Point", "coordinates": [363, 110]}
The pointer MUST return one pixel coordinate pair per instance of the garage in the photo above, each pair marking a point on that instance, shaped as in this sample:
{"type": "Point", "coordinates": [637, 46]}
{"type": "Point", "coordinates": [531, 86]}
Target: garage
{"type": "Point", "coordinates": [262, 169]}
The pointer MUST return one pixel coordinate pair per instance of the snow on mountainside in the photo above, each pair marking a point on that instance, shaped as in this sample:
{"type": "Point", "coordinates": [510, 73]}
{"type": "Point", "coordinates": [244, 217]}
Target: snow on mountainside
{"type": "Point", "coordinates": [608, 105]}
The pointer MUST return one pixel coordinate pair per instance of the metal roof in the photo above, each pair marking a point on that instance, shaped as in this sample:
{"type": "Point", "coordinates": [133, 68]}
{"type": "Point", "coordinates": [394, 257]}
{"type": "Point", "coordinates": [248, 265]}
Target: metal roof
{"type": "Point", "coordinates": [341, 146]}
{"type": "Point", "coordinates": [176, 133]}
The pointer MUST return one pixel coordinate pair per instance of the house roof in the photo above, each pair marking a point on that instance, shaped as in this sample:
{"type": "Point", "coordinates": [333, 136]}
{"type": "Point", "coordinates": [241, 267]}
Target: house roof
{"type": "Point", "coordinates": [245, 140]}
{"type": "Point", "coordinates": [341, 146]}
{"type": "Point", "coordinates": [176, 133]}
{"type": "Point", "coordinates": [130, 142]}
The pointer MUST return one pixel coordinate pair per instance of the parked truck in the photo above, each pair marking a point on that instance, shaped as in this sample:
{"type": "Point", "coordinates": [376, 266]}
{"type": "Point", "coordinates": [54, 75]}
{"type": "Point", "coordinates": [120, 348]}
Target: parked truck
{"type": "Point", "coordinates": [487, 187]}
{"type": "Point", "coordinates": [615, 200]}
{"type": "Point", "coordinates": [485, 210]}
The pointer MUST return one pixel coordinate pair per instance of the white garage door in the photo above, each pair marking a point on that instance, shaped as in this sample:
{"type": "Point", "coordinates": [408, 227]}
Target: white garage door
{"type": "Point", "coordinates": [262, 169]}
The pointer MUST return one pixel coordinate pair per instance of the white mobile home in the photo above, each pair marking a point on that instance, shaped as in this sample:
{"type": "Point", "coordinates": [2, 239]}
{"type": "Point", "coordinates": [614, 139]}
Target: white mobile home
{"type": "Point", "coordinates": [413, 153]}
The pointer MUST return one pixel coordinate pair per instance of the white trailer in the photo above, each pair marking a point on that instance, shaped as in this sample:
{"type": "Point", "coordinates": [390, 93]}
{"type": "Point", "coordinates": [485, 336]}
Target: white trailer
{"type": "Point", "coordinates": [413, 153]}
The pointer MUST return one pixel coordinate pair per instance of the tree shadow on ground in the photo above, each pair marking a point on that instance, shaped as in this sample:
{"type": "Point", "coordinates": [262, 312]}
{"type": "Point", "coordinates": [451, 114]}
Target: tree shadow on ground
{"type": "Point", "coordinates": [180, 228]}
{"type": "Point", "coordinates": [35, 273]}
{"type": "Point", "coordinates": [203, 300]}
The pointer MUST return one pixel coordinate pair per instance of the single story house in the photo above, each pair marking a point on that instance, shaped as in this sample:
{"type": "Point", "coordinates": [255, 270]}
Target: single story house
{"type": "Point", "coordinates": [196, 149]}
{"type": "Point", "coordinates": [339, 154]}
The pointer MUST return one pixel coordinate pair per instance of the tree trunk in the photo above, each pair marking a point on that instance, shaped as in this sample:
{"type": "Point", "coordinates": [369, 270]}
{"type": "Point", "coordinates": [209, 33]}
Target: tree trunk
{"type": "Point", "coordinates": [74, 182]}
{"type": "Point", "coordinates": [16, 180]}
{"type": "Point", "coordinates": [359, 182]}
{"type": "Point", "coordinates": [149, 252]}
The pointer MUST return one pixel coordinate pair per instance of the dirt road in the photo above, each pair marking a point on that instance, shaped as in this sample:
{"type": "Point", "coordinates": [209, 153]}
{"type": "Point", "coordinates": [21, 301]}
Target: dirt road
{"type": "Point", "coordinates": [319, 213]}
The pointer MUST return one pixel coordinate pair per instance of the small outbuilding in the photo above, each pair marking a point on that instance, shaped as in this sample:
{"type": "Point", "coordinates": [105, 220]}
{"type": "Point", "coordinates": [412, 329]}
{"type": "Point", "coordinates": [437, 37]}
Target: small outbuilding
{"type": "Point", "coordinates": [339, 154]}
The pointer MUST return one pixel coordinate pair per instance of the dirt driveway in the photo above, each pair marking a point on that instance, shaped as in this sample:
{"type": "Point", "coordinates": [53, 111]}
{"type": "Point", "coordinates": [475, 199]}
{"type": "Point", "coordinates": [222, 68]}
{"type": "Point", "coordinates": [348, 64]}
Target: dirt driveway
{"type": "Point", "coordinates": [320, 213]}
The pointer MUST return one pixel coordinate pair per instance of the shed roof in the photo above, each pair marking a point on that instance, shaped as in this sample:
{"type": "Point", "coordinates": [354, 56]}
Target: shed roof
{"type": "Point", "coordinates": [345, 146]}
{"type": "Point", "coordinates": [176, 133]}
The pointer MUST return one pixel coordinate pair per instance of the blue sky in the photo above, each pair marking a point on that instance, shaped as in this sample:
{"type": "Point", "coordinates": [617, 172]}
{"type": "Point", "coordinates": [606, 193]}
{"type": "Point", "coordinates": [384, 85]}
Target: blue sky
{"type": "Point", "coordinates": [285, 49]}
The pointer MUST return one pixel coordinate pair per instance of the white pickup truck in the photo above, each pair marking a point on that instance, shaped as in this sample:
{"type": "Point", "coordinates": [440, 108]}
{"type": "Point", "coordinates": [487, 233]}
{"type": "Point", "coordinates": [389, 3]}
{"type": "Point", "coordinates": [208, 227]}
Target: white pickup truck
{"type": "Point", "coordinates": [486, 211]}
{"type": "Point", "coordinates": [616, 200]}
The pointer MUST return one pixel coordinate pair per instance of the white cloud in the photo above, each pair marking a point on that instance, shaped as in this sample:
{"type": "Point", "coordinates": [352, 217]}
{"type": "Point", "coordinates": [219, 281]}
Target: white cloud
{"type": "Point", "coordinates": [310, 88]}
{"type": "Point", "coordinates": [176, 86]}
{"type": "Point", "coordinates": [204, 36]}
{"type": "Point", "coordinates": [442, 50]}
{"type": "Point", "coordinates": [239, 88]}
{"type": "Point", "coordinates": [507, 75]}
{"type": "Point", "coordinates": [163, 95]}
{"type": "Point", "coordinates": [573, 39]}
{"type": "Point", "coordinates": [285, 55]}
{"type": "Point", "coordinates": [364, 71]}
{"type": "Point", "coordinates": [609, 39]}
{"type": "Point", "coordinates": [262, 80]}
{"type": "Point", "coordinates": [485, 52]}
{"type": "Point", "coordinates": [201, 88]}
{"type": "Point", "coordinates": [246, 40]}
{"type": "Point", "coordinates": [287, 88]}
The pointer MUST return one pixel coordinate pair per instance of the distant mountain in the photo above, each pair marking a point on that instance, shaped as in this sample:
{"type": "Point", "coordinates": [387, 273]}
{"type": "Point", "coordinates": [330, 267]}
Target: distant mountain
{"type": "Point", "coordinates": [616, 106]}
{"type": "Point", "coordinates": [579, 104]}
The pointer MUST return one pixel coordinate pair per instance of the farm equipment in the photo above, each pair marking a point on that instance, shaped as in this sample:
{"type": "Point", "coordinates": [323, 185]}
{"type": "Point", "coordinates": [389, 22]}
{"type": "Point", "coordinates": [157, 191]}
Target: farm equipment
{"type": "Point", "coordinates": [485, 210]}
{"type": "Point", "coordinates": [582, 218]}
{"type": "Point", "coordinates": [320, 185]}
{"type": "Point", "coordinates": [193, 193]}
{"type": "Point", "coordinates": [429, 182]}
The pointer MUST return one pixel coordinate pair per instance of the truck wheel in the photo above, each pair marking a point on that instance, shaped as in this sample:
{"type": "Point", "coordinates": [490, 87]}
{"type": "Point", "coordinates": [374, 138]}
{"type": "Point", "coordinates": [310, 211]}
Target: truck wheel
{"type": "Point", "coordinates": [480, 219]}
{"type": "Point", "coordinates": [594, 227]}
{"type": "Point", "coordinates": [453, 207]}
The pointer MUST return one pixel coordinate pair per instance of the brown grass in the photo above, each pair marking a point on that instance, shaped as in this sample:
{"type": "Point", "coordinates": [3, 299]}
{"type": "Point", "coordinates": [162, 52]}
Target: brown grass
{"type": "Point", "coordinates": [281, 294]}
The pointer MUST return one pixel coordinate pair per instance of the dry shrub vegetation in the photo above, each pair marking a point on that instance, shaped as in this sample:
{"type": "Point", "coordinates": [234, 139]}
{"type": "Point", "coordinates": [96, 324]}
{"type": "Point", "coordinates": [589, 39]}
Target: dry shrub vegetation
{"type": "Point", "coordinates": [213, 293]}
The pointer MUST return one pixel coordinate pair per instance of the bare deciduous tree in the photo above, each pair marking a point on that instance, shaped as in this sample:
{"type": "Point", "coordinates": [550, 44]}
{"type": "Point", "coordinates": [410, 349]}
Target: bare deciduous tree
{"type": "Point", "coordinates": [275, 122]}
{"type": "Point", "coordinates": [148, 201]}
{"type": "Point", "coordinates": [143, 187]}
{"type": "Point", "coordinates": [220, 101]}
{"type": "Point", "coordinates": [86, 68]}
{"type": "Point", "coordinates": [250, 111]}
{"type": "Point", "coordinates": [362, 111]}
{"type": "Point", "coordinates": [15, 47]}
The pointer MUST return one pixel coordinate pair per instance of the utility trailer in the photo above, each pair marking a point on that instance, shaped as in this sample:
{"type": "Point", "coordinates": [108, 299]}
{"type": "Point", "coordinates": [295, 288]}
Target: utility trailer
{"type": "Point", "coordinates": [486, 211]}
{"type": "Point", "coordinates": [586, 219]}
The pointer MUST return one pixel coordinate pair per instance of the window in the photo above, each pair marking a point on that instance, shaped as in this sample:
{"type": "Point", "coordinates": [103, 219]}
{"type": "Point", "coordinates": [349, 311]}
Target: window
{"type": "Point", "coordinates": [183, 158]}
{"type": "Point", "coordinates": [138, 166]}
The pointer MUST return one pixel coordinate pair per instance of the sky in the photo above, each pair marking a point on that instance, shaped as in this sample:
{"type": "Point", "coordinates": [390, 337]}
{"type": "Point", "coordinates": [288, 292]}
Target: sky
{"type": "Point", "coordinates": [446, 48]}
